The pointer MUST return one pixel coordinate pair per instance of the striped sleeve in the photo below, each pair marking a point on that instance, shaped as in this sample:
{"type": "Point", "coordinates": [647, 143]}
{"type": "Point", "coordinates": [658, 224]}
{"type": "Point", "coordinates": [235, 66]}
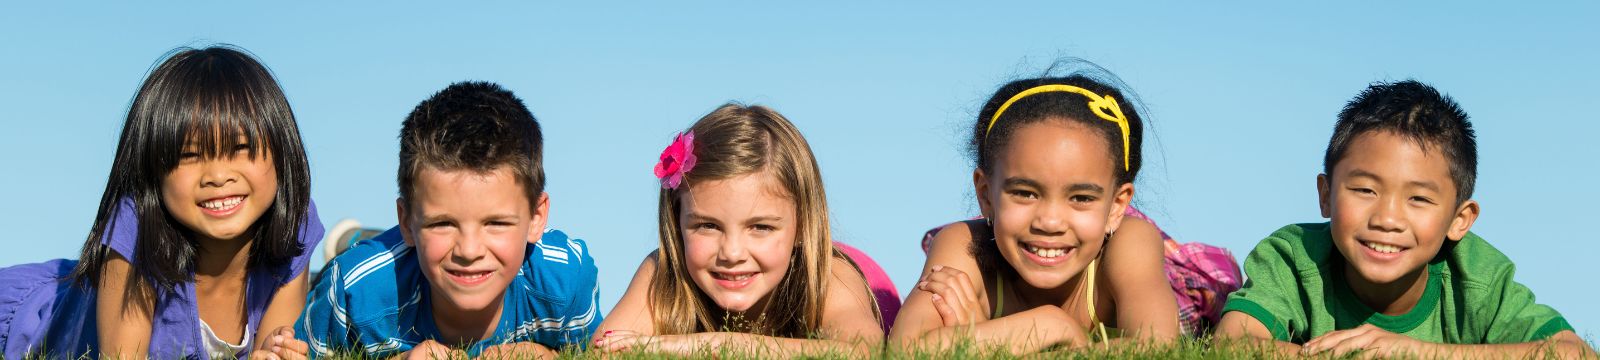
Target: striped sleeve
{"type": "Point", "coordinates": [325, 325]}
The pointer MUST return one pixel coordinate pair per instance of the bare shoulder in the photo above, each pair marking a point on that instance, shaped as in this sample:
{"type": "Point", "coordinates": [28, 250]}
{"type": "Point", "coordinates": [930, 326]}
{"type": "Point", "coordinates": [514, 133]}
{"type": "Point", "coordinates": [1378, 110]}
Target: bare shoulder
{"type": "Point", "coordinates": [1136, 242]}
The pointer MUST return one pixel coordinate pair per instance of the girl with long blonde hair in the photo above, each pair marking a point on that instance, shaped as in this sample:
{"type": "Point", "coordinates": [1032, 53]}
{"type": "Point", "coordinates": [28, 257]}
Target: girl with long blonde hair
{"type": "Point", "coordinates": [746, 261]}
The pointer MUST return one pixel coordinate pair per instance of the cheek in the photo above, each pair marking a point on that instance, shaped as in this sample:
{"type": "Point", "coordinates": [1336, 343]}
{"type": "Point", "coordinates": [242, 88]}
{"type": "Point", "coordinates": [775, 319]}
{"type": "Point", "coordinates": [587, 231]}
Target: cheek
{"type": "Point", "coordinates": [699, 251]}
{"type": "Point", "coordinates": [775, 254]}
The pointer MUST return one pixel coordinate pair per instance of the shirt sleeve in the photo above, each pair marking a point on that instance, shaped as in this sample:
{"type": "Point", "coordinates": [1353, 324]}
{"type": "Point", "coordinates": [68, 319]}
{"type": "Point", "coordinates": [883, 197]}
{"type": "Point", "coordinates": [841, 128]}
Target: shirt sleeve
{"type": "Point", "coordinates": [1271, 291]}
{"type": "Point", "coordinates": [311, 233]}
{"type": "Point", "coordinates": [324, 325]}
{"type": "Point", "coordinates": [568, 278]}
{"type": "Point", "coordinates": [1514, 316]}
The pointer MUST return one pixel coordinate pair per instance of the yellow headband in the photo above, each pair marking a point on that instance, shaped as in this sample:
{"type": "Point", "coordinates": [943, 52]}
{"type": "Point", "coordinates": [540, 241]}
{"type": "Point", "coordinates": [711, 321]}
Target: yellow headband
{"type": "Point", "coordinates": [1104, 106]}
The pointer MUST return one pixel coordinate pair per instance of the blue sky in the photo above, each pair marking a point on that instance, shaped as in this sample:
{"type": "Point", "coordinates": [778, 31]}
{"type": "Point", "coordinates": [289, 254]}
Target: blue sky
{"type": "Point", "coordinates": [1241, 99]}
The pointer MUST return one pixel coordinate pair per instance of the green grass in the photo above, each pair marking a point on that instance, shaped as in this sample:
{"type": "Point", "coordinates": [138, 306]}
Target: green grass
{"type": "Point", "coordinates": [1183, 349]}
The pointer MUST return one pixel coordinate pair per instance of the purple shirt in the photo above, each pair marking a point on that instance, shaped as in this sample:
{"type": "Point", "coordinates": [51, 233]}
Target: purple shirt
{"type": "Point", "coordinates": [38, 307]}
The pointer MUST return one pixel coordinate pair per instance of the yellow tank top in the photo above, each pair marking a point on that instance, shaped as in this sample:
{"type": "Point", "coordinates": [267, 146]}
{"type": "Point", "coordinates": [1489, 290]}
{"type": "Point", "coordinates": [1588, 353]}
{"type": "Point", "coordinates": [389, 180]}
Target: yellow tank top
{"type": "Point", "coordinates": [1097, 329]}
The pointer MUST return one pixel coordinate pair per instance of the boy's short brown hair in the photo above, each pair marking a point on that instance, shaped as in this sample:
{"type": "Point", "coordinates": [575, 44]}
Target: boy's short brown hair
{"type": "Point", "coordinates": [472, 125]}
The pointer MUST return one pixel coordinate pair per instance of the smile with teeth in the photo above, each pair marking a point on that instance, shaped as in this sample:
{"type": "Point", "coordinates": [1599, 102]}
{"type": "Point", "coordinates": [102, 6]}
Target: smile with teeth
{"type": "Point", "coordinates": [1045, 252]}
{"type": "Point", "coordinates": [1382, 248]}
{"type": "Point", "coordinates": [731, 277]}
{"type": "Point", "coordinates": [465, 277]}
{"type": "Point", "coordinates": [225, 203]}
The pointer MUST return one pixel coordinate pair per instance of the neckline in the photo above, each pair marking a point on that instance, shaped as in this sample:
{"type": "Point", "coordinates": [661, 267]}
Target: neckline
{"type": "Point", "coordinates": [1356, 312]}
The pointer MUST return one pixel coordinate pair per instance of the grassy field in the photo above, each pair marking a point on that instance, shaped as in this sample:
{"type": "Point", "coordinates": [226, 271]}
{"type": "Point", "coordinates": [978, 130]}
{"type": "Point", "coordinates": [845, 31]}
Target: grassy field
{"type": "Point", "coordinates": [1183, 349]}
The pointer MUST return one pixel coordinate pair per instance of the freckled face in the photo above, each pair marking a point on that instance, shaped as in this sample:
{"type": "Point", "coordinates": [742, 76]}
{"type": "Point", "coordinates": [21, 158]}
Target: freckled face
{"type": "Point", "coordinates": [220, 198]}
{"type": "Point", "coordinates": [471, 233]}
{"type": "Point", "coordinates": [738, 238]}
{"type": "Point", "coordinates": [1052, 200]}
{"type": "Point", "coordinates": [1390, 203]}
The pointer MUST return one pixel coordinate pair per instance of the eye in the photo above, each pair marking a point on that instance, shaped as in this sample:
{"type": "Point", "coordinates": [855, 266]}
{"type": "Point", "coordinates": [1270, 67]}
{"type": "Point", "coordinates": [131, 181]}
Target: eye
{"type": "Point", "coordinates": [439, 225]}
{"type": "Point", "coordinates": [703, 227]}
{"type": "Point", "coordinates": [1364, 191]}
{"type": "Point", "coordinates": [1422, 199]}
{"type": "Point", "coordinates": [1083, 198]}
{"type": "Point", "coordinates": [188, 156]}
{"type": "Point", "coordinates": [763, 228]}
{"type": "Point", "coordinates": [241, 148]}
{"type": "Point", "coordinates": [1024, 194]}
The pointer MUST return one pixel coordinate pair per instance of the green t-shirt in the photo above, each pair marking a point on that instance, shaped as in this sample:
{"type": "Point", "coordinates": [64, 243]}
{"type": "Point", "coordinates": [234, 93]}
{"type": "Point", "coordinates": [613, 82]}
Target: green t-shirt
{"type": "Point", "coordinates": [1295, 286]}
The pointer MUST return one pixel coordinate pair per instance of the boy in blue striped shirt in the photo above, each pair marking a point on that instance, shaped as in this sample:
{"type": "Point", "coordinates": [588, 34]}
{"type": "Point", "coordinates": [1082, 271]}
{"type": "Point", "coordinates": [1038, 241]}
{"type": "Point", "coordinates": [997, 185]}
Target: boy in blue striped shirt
{"type": "Point", "coordinates": [471, 267]}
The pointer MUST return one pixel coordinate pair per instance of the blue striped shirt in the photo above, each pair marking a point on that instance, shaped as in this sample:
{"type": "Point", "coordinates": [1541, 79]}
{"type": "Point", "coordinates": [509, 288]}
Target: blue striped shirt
{"type": "Point", "coordinates": [373, 299]}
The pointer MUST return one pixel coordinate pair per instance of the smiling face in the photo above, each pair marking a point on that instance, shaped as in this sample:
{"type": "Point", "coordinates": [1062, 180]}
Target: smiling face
{"type": "Point", "coordinates": [738, 238]}
{"type": "Point", "coordinates": [471, 232]}
{"type": "Point", "coordinates": [220, 198]}
{"type": "Point", "coordinates": [1051, 200]}
{"type": "Point", "coordinates": [1392, 204]}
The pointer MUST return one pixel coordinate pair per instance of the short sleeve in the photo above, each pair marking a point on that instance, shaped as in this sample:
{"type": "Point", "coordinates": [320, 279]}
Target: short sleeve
{"type": "Point", "coordinates": [567, 291]}
{"type": "Point", "coordinates": [1271, 291]}
{"type": "Point", "coordinates": [325, 325]}
{"type": "Point", "coordinates": [311, 233]}
{"type": "Point", "coordinates": [1514, 315]}
{"type": "Point", "coordinates": [123, 234]}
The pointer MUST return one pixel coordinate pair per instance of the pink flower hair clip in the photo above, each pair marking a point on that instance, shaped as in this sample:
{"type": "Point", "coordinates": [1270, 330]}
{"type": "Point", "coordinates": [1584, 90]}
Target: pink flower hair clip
{"type": "Point", "coordinates": [676, 161]}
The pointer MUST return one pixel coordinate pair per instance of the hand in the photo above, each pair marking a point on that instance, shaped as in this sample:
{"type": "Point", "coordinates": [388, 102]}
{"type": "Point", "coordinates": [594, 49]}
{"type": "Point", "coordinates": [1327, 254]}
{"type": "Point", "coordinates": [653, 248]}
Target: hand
{"type": "Point", "coordinates": [953, 296]}
{"type": "Point", "coordinates": [1370, 340]}
{"type": "Point", "coordinates": [432, 350]}
{"type": "Point", "coordinates": [281, 346]}
{"type": "Point", "coordinates": [518, 350]}
{"type": "Point", "coordinates": [622, 340]}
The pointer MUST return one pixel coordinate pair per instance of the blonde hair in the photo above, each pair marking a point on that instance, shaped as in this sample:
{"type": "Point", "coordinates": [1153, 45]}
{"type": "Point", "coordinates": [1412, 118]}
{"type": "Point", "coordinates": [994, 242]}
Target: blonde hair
{"type": "Point", "coordinates": [731, 141]}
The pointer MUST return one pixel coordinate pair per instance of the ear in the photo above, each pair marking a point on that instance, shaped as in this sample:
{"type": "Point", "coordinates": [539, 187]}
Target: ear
{"type": "Point", "coordinates": [1466, 214]}
{"type": "Point", "coordinates": [1119, 207]}
{"type": "Point", "coordinates": [980, 185]}
{"type": "Point", "coordinates": [405, 221]}
{"type": "Point", "coordinates": [540, 218]}
{"type": "Point", "coordinates": [1324, 196]}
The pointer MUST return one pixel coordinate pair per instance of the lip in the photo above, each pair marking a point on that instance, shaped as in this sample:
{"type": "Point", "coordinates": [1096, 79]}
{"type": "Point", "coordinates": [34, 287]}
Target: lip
{"type": "Point", "coordinates": [225, 211]}
{"type": "Point", "coordinates": [468, 277]}
{"type": "Point", "coordinates": [1381, 256]}
{"type": "Point", "coordinates": [1047, 261]}
{"type": "Point", "coordinates": [723, 279]}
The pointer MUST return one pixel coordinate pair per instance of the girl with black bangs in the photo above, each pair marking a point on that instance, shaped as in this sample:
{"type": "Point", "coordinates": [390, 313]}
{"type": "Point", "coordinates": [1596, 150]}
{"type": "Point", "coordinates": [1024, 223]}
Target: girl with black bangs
{"type": "Point", "coordinates": [203, 234]}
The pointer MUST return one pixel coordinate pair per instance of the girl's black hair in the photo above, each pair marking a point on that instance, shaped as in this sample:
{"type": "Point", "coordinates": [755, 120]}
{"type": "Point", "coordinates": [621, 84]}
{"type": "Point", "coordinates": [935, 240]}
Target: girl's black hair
{"type": "Point", "coordinates": [1061, 106]}
{"type": "Point", "coordinates": [212, 97]}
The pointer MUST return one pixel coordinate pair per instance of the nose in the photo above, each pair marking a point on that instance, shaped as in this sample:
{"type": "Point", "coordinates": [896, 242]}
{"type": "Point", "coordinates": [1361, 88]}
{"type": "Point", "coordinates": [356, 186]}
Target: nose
{"type": "Point", "coordinates": [469, 247]}
{"type": "Point", "coordinates": [1388, 216]}
{"type": "Point", "coordinates": [217, 174]}
{"type": "Point", "coordinates": [731, 249]}
{"type": "Point", "coordinates": [1049, 219]}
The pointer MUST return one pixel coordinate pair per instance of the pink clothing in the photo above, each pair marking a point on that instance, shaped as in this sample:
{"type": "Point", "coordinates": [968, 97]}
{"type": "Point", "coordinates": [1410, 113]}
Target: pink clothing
{"type": "Point", "coordinates": [878, 281]}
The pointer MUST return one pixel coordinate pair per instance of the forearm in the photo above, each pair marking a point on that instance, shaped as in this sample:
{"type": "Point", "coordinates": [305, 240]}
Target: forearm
{"type": "Point", "coordinates": [1560, 349]}
{"type": "Point", "coordinates": [1021, 333]}
{"type": "Point", "coordinates": [519, 350]}
{"type": "Point", "coordinates": [780, 347]}
{"type": "Point", "coordinates": [1261, 344]}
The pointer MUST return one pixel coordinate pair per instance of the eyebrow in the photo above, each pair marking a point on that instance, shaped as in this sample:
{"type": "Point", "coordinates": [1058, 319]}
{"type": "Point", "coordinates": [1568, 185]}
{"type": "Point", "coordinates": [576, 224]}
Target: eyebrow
{"type": "Point", "coordinates": [1415, 183]}
{"type": "Point", "coordinates": [1090, 187]}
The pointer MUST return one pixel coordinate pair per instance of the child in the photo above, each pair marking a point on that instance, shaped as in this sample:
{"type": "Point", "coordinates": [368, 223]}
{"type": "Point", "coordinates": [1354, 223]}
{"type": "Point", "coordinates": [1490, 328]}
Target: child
{"type": "Point", "coordinates": [471, 265]}
{"type": "Point", "coordinates": [1395, 272]}
{"type": "Point", "coordinates": [200, 246]}
{"type": "Point", "coordinates": [746, 261]}
{"type": "Point", "coordinates": [1054, 260]}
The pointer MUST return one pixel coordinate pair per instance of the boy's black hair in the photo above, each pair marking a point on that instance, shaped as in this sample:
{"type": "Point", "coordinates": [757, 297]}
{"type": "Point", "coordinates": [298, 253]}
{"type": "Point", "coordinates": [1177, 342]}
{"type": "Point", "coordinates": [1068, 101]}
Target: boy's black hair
{"type": "Point", "coordinates": [1417, 112]}
{"type": "Point", "coordinates": [212, 97]}
{"type": "Point", "coordinates": [986, 142]}
{"type": "Point", "coordinates": [473, 125]}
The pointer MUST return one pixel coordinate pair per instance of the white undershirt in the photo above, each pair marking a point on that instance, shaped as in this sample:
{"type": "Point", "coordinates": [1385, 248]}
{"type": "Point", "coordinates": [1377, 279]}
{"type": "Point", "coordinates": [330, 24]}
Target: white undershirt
{"type": "Point", "coordinates": [221, 349]}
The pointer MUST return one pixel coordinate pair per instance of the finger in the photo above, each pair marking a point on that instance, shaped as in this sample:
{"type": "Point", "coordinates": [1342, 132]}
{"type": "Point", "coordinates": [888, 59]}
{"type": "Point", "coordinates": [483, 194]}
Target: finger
{"type": "Point", "coordinates": [1333, 341]}
{"type": "Point", "coordinates": [952, 299]}
{"type": "Point", "coordinates": [1352, 344]}
{"type": "Point", "coordinates": [946, 313]}
{"type": "Point", "coordinates": [292, 345]}
{"type": "Point", "coordinates": [969, 294]}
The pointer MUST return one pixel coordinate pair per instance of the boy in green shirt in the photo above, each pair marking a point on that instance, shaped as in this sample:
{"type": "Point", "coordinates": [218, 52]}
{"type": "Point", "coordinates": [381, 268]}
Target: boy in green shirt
{"type": "Point", "coordinates": [1395, 272]}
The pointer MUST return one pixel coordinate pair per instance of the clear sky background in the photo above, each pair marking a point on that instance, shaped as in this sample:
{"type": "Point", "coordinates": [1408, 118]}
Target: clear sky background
{"type": "Point", "coordinates": [1242, 101]}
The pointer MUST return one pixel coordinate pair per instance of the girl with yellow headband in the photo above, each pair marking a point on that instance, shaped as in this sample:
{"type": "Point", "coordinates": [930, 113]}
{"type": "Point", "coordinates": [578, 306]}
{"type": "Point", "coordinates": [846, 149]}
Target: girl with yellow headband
{"type": "Point", "coordinates": [1058, 258]}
